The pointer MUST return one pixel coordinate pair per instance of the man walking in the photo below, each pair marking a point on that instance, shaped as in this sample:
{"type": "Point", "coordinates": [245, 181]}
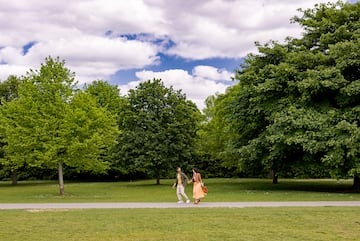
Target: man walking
{"type": "Point", "coordinates": [180, 184]}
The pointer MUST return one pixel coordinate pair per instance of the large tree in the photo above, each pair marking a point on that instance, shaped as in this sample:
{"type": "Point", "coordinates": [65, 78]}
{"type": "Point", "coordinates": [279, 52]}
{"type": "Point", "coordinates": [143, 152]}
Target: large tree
{"type": "Point", "coordinates": [8, 92]}
{"type": "Point", "coordinates": [158, 129]}
{"type": "Point", "coordinates": [296, 106]}
{"type": "Point", "coordinates": [52, 125]}
{"type": "Point", "coordinates": [212, 137]}
{"type": "Point", "coordinates": [107, 96]}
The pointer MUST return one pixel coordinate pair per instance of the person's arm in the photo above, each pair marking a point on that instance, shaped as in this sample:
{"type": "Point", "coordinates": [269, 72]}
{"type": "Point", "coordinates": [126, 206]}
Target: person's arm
{"type": "Point", "coordinates": [187, 179]}
{"type": "Point", "coordinates": [199, 178]}
{"type": "Point", "coordinates": [175, 183]}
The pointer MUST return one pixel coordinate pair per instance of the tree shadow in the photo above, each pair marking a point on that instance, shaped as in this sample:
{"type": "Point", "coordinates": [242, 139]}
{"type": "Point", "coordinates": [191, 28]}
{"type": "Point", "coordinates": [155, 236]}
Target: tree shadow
{"type": "Point", "coordinates": [291, 185]}
{"type": "Point", "coordinates": [27, 183]}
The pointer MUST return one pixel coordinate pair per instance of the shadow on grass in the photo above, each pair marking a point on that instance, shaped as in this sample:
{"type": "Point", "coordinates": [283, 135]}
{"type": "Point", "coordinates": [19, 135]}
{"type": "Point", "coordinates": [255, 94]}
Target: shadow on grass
{"type": "Point", "coordinates": [27, 183]}
{"type": "Point", "coordinates": [136, 183]}
{"type": "Point", "coordinates": [288, 185]}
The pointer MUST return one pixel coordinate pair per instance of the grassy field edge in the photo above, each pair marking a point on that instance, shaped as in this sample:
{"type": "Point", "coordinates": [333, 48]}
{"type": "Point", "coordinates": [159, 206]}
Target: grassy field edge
{"type": "Point", "coordinates": [220, 190]}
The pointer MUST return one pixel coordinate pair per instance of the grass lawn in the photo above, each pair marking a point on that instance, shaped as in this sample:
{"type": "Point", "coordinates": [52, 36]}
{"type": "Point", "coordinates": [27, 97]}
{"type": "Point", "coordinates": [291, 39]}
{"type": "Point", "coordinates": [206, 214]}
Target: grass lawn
{"type": "Point", "coordinates": [283, 223]}
{"type": "Point", "coordinates": [220, 190]}
{"type": "Point", "coordinates": [320, 223]}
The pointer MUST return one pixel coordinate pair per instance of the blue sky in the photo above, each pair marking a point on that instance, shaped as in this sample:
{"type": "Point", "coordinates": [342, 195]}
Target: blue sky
{"type": "Point", "coordinates": [170, 62]}
{"type": "Point", "coordinates": [190, 44]}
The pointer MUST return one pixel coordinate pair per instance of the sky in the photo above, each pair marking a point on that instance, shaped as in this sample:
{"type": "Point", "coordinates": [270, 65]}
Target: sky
{"type": "Point", "coordinates": [192, 45]}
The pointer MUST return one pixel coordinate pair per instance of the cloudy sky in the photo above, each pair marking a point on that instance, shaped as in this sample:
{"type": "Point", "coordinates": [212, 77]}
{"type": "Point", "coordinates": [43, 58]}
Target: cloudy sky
{"type": "Point", "coordinates": [193, 45]}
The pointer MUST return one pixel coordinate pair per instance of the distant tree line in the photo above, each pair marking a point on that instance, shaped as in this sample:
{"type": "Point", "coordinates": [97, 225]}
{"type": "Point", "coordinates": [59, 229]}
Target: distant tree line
{"type": "Point", "coordinates": [293, 112]}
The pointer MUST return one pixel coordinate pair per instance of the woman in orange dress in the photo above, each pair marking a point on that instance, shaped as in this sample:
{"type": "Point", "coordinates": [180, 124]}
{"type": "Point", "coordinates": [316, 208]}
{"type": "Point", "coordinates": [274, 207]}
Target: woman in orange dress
{"type": "Point", "coordinates": [197, 189]}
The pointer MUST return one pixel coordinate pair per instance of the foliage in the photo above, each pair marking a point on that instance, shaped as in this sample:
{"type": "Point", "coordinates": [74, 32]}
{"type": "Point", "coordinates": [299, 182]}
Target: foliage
{"type": "Point", "coordinates": [158, 129]}
{"type": "Point", "coordinates": [211, 139]}
{"type": "Point", "coordinates": [9, 89]}
{"type": "Point", "coordinates": [51, 124]}
{"type": "Point", "coordinates": [106, 95]}
{"type": "Point", "coordinates": [8, 92]}
{"type": "Point", "coordinates": [296, 106]}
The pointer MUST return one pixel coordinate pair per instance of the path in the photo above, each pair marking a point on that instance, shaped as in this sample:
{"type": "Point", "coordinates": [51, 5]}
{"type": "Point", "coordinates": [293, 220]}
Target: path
{"type": "Point", "coordinates": [176, 205]}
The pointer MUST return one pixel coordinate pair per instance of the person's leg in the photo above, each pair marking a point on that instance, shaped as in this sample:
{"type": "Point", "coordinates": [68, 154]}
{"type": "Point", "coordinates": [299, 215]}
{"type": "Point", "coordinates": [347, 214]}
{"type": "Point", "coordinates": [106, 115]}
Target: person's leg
{"type": "Point", "coordinates": [182, 192]}
{"type": "Point", "coordinates": [178, 193]}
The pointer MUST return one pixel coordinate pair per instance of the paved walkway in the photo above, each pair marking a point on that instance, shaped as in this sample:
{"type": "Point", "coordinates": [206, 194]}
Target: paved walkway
{"type": "Point", "coordinates": [176, 205]}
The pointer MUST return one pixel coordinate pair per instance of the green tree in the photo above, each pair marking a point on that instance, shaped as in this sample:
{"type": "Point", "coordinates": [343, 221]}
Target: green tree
{"type": "Point", "coordinates": [9, 88]}
{"type": "Point", "coordinates": [8, 92]}
{"type": "Point", "coordinates": [51, 124]}
{"type": "Point", "coordinates": [296, 106]}
{"type": "Point", "coordinates": [212, 137]}
{"type": "Point", "coordinates": [158, 130]}
{"type": "Point", "coordinates": [108, 96]}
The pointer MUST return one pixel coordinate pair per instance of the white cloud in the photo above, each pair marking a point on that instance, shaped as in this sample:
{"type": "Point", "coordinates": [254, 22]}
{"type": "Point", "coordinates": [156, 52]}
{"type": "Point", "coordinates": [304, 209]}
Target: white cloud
{"type": "Point", "coordinates": [229, 28]}
{"type": "Point", "coordinates": [203, 82]}
{"type": "Point", "coordinates": [219, 27]}
{"type": "Point", "coordinates": [7, 70]}
{"type": "Point", "coordinates": [42, 20]}
{"type": "Point", "coordinates": [91, 57]}
{"type": "Point", "coordinates": [75, 31]}
{"type": "Point", "coordinates": [212, 73]}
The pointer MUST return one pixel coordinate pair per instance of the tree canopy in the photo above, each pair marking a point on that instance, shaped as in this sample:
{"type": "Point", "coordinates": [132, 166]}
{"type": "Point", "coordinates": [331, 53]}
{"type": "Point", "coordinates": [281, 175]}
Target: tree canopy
{"type": "Point", "coordinates": [8, 92]}
{"type": "Point", "coordinates": [51, 124]}
{"type": "Point", "coordinates": [106, 95]}
{"type": "Point", "coordinates": [295, 108]}
{"type": "Point", "coordinates": [158, 130]}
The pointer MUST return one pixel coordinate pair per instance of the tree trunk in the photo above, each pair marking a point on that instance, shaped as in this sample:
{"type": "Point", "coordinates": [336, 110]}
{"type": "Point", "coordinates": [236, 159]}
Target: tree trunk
{"type": "Point", "coordinates": [157, 174]}
{"type": "Point", "coordinates": [14, 177]}
{"type": "Point", "coordinates": [274, 177]}
{"type": "Point", "coordinates": [61, 179]}
{"type": "Point", "coordinates": [356, 185]}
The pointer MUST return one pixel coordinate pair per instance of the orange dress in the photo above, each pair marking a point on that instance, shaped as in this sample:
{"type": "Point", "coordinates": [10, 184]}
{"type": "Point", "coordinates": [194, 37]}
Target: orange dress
{"type": "Point", "coordinates": [197, 189]}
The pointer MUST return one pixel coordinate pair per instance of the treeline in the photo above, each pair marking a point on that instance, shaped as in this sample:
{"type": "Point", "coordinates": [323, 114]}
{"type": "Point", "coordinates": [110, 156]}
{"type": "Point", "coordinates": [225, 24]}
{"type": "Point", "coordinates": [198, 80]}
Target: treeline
{"type": "Point", "coordinates": [293, 112]}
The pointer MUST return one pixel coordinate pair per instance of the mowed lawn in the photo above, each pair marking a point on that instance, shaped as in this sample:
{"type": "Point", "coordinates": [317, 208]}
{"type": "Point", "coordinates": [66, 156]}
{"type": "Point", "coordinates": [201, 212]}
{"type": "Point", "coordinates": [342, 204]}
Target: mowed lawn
{"type": "Point", "coordinates": [282, 223]}
{"type": "Point", "coordinates": [220, 190]}
{"type": "Point", "coordinates": [295, 223]}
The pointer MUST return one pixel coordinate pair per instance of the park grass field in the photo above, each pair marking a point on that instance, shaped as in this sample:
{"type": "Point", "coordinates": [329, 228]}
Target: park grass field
{"type": "Point", "coordinates": [220, 190]}
{"type": "Point", "coordinates": [283, 223]}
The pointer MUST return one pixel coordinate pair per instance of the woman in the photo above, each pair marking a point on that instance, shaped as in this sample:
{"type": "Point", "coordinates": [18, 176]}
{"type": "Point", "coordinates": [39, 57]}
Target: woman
{"type": "Point", "coordinates": [197, 189]}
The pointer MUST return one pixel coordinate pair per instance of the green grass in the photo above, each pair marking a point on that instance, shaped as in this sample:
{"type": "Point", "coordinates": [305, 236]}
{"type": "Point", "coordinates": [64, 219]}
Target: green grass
{"type": "Point", "coordinates": [220, 190]}
{"type": "Point", "coordinates": [320, 223]}
{"type": "Point", "coordinates": [283, 223]}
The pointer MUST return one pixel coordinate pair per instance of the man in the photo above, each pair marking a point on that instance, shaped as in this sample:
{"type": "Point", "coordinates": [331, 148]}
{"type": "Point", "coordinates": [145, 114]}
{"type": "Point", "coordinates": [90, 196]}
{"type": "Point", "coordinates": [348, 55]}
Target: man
{"type": "Point", "coordinates": [180, 184]}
